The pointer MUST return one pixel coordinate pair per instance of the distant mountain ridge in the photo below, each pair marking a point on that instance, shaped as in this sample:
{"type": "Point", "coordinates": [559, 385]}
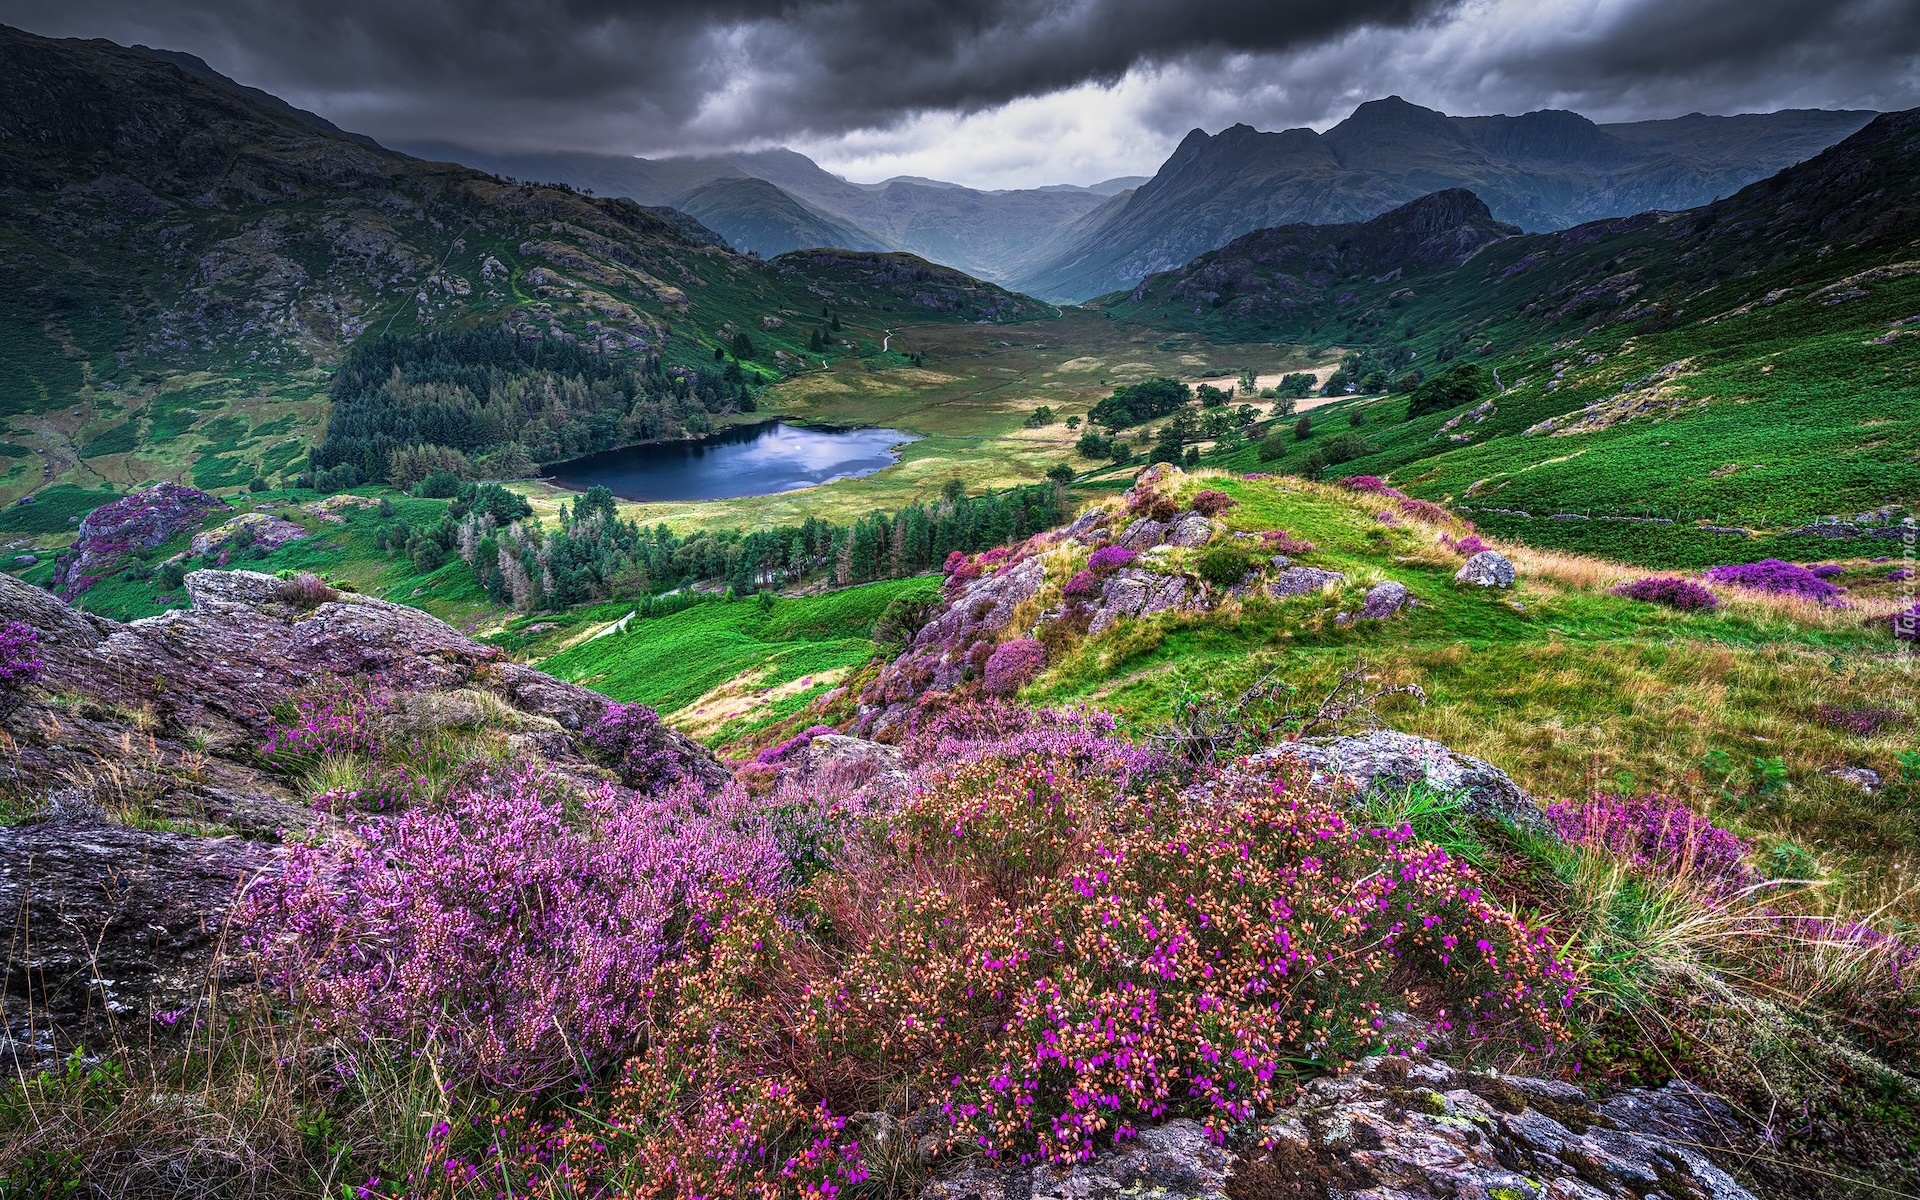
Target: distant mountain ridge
{"type": "Point", "coordinates": [984, 233]}
{"type": "Point", "coordinates": [1542, 171]}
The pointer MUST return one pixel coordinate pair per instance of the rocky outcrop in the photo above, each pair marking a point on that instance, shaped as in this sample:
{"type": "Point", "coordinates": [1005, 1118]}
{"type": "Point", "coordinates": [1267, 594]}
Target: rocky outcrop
{"type": "Point", "coordinates": [137, 758]}
{"type": "Point", "coordinates": [1414, 1128]}
{"type": "Point", "coordinates": [1174, 1161]}
{"type": "Point", "coordinates": [1410, 1128]}
{"type": "Point", "coordinates": [1486, 569]}
{"type": "Point", "coordinates": [1302, 581]}
{"type": "Point", "coordinates": [179, 702]}
{"type": "Point", "coordinates": [1390, 760]}
{"type": "Point", "coordinates": [1135, 593]}
{"type": "Point", "coordinates": [113, 930]}
{"type": "Point", "coordinates": [141, 521]}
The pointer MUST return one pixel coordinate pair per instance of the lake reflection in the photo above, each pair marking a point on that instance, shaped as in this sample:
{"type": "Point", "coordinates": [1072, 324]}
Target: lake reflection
{"type": "Point", "coordinates": [752, 460]}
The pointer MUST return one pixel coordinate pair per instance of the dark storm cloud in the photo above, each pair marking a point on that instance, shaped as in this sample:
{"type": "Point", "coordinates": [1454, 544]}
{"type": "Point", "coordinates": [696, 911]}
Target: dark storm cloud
{"type": "Point", "coordinates": [665, 74]}
{"type": "Point", "coordinates": [1667, 57]}
{"type": "Point", "coordinates": [673, 75]}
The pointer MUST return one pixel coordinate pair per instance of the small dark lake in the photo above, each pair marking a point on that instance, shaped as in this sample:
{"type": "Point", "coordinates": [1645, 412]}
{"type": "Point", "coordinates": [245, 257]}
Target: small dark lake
{"type": "Point", "coordinates": [751, 460]}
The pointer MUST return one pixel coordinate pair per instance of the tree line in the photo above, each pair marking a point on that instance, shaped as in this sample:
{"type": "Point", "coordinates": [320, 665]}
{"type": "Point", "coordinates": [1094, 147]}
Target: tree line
{"type": "Point", "coordinates": [591, 554]}
{"type": "Point", "coordinates": [487, 403]}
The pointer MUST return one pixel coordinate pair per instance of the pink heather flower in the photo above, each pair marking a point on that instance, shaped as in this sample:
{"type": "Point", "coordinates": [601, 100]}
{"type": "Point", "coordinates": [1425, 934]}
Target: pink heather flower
{"type": "Point", "coordinates": [1013, 665]}
{"type": "Point", "coordinates": [1108, 559]}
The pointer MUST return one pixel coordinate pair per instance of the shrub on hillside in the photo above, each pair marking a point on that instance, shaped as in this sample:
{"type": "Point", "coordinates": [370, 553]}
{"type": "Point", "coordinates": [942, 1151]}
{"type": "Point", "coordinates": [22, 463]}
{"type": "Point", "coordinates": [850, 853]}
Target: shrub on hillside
{"type": "Point", "coordinates": [903, 619]}
{"type": "Point", "coordinates": [1462, 385]}
{"type": "Point", "coordinates": [1083, 585]}
{"type": "Point", "coordinates": [1012, 666]}
{"type": "Point", "coordinates": [1272, 446]}
{"type": "Point", "coordinates": [1108, 559]}
{"type": "Point", "coordinates": [1224, 566]}
{"type": "Point", "coordinates": [1279, 541]}
{"type": "Point", "coordinates": [1776, 578]}
{"type": "Point", "coordinates": [514, 928]}
{"type": "Point", "coordinates": [1670, 591]}
{"type": "Point", "coordinates": [1211, 503]}
{"type": "Point", "coordinates": [20, 663]}
{"type": "Point", "coordinates": [1661, 834]}
{"type": "Point", "coordinates": [630, 739]}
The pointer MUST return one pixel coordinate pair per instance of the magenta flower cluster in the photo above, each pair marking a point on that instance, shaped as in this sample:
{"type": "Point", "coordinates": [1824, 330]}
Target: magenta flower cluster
{"type": "Point", "coordinates": [1013, 665]}
{"type": "Point", "coordinates": [1670, 591]}
{"type": "Point", "coordinates": [1859, 721]}
{"type": "Point", "coordinates": [1108, 559]}
{"type": "Point", "coordinates": [334, 716]}
{"type": "Point", "coordinates": [515, 937]}
{"type": "Point", "coordinates": [1468, 546]}
{"type": "Point", "coordinates": [20, 662]}
{"type": "Point", "coordinates": [1776, 578]}
{"type": "Point", "coordinates": [1372, 485]}
{"type": "Point", "coordinates": [1085, 584]}
{"type": "Point", "coordinates": [1661, 834]}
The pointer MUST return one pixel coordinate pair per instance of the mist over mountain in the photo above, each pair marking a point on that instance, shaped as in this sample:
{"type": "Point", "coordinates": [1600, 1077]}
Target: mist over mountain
{"type": "Point", "coordinates": [982, 233]}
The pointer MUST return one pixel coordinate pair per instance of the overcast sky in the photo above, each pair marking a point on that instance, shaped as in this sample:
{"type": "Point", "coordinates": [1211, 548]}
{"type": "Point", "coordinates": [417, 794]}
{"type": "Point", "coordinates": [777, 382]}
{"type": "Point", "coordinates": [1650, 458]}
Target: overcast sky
{"type": "Point", "coordinates": [999, 93]}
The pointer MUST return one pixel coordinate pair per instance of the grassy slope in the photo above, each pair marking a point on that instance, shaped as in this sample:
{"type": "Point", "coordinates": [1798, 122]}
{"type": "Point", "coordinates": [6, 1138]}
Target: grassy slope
{"type": "Point", "coordinates": [1561, 684]}
{"type": "Point", "coordinates": [1784, 414]}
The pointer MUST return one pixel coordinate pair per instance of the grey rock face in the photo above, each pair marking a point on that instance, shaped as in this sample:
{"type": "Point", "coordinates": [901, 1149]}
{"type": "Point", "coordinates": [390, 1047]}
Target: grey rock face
{"type": "Point", "coordinates": [1175, 1161]}
{"type": "Point", "coordinates": [1192, 529]}
{"type": "Point", "coordinates": [1864, 778]}
{"type": "Point", "coordinates": [1415, 1128]}
{"type": "Point", "coordinates": [111, 928]}
{"type": "Point", "coordinates": [1300, 581]}
{"type": "Point", "coordinates": [1133, 592]}
{"type": "Point", "coordinates": [1144, 534]}
{"type": "Point", "coordinates": [1385, 599]}
{"type": "Point", "coordinates": [1389, 759]}
{"type": "Point", "coordinates": [1398, 1128]}
{"type": "Point", "coordinates": [1486, 569]}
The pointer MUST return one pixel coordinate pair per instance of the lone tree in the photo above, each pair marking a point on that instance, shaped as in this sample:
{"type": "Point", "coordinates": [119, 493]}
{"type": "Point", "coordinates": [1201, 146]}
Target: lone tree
{"type": "Point", "coordinates": [742, 346]}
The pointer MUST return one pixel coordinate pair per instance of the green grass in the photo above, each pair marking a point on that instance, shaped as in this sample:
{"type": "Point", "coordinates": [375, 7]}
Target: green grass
{"type": "Point", "coordinates": [56, 509]}
{"type": "Point", "coordinates": [1561, 684]}
{"type": "Point", "coordinates": [669, 662]}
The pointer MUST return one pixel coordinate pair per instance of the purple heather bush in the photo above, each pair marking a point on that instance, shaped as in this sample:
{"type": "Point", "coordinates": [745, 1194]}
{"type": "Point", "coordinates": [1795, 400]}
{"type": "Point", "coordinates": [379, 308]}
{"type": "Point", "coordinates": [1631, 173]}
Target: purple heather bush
{"type": "Point", "coordinates": [1776, 578]}
{"type": "Point", "coordinates": [775, 755]}
{"type": "Point", "coordinates": [1372, 485]}
{"type": "Point", "coordinates": [513, 927]}
{"type": "Point", "coordinates": [1671, 591]}
{"type": "Point", "coordinates": [20, 665]}
{"type": "Point", "coordinates": [1108, 559]}
{"type": "Point", "coordinates": [630, 739]}
{"type": "Point", "coordinates": [1013, 665]}
{"type": "Point", "coordinates": [1084, 584]}
{"type": "Point", "coordinates": [333, 716]}
{"type": "Point", "coordinates": [1469, 545]}
{"type": "Point", "coordinates": [1211, 503]}
{"type": "Point", "coordinates": [1661, 834]}
{"type": "Point", "coordinates": [1827, 570]}
{"type": "Point", "coordinates": [1904, 624]}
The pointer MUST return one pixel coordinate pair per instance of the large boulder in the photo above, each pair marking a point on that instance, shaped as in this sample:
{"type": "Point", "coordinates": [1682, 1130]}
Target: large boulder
{"type": "Point", "coordinates": [1192, 529]}
{"type": "Point", "coordinates": [1486, 569]}
{"type": "Point", "coordinates": [1384, 599]}
{"type": "Point", "coordinates": [1386, 759]}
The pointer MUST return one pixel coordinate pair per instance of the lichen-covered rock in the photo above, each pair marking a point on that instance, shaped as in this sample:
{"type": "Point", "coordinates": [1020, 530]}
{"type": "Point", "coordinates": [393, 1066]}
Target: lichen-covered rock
{"type": "Point", "coordinates": [1383, 600]}
{"type": "Point", "coordinates": [1144, 534]}
{"type": "Point", "coordinates": [1486, 569]}
{"type": "Point", "coordinates": [269, 532]}
{"type": "Point", "coordinates": [1300, 581]}
{"type": "Point", "coordinates": [1192, 529]}
{"type": "Point", "coordinates": [1418, 1129]}
{"type": "Point", "coordinates": [1133, 592]}
{"type": "Point", "coordinates": [1391, 760]}
{"type": "Point", "coordinates": [1174, 1161]}
{"type": "Point", "coordinates": [145, 519]}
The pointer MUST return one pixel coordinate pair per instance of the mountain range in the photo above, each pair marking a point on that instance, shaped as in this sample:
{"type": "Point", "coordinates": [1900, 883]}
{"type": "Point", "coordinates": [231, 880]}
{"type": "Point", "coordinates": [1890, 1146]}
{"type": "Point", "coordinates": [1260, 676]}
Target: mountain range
{"type": "Point", "coordinates": [1541, 171]}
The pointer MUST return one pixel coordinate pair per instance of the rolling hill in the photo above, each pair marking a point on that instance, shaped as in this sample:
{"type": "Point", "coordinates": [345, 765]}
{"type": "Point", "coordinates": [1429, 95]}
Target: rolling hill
{"type": "Point", "coordinates": [186, 260]}
{"type": "Point", "coordinates": [758, 218]}
{"type": "Point", "coordinates": [1542, 171]}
